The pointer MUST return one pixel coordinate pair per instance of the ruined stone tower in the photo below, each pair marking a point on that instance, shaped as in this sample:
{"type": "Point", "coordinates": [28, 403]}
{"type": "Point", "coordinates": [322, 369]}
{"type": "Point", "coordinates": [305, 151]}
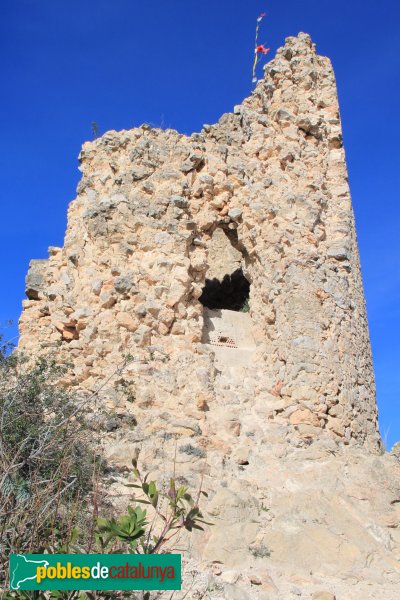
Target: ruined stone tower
{"type": "Point", "coordinates": [209, 302]}
{"type": "Point", "coordinates": [231, 254]}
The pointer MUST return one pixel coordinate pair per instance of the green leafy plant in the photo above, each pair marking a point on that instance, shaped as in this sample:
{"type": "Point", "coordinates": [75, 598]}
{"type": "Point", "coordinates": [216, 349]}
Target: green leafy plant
{"type": "Point", "coordinates": [174, 509]}
{"type": "Point", "coordinates": [128, 529]}
{"type": "Point", "coordinates": [136, 532]}
{"type": "Point", "coordinates": [46, 461]}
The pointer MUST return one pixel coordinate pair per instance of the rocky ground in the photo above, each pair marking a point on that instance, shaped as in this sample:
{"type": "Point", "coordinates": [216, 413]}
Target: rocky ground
{"type": "Point", "coordinates": [292, 517]}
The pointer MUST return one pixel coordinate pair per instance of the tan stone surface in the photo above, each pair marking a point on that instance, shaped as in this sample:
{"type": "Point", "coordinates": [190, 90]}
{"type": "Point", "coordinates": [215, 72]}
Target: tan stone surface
{"type": "Point", "coordinates": [286, 438]}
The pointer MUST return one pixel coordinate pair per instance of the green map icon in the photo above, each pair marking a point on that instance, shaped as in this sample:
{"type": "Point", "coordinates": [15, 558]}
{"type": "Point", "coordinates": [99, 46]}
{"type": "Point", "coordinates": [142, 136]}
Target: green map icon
{"type": "Point", "coordinates": [23, 569]}
{"type": "Point", "coordinates": [95, 572]}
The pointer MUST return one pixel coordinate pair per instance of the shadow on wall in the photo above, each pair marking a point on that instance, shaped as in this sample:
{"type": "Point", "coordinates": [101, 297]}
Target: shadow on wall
{"type": "Point", "coordinates": [232, 293]}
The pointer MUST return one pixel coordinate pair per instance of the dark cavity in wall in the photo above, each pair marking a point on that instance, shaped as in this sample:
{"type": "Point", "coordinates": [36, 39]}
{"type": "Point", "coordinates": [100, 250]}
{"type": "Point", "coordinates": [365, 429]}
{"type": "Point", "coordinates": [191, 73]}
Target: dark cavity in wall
{"type": "Point", "coordinates": [232, 293]}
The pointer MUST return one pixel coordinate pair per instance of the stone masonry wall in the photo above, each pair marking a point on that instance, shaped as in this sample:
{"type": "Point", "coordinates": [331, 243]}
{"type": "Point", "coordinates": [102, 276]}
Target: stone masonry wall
{"type": "Point", "coordinates": [273, 176]}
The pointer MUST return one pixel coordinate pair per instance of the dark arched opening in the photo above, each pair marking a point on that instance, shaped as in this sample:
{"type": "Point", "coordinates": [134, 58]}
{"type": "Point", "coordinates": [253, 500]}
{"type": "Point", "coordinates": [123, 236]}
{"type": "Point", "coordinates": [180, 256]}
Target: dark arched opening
{"type": "Point", "coordinates": [232, 293]}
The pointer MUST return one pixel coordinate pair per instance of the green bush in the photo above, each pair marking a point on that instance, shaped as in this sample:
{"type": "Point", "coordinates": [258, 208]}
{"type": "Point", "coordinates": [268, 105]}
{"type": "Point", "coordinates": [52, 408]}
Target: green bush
{"type": "Point", "coordinates": [46, 462]}
{"type": "Point", "coordinates": [47, 482]}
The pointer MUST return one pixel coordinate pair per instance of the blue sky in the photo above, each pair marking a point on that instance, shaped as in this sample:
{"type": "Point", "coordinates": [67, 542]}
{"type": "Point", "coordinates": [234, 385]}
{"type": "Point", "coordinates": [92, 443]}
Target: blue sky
{"type": "Point", "coordinates": [181, 64]}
